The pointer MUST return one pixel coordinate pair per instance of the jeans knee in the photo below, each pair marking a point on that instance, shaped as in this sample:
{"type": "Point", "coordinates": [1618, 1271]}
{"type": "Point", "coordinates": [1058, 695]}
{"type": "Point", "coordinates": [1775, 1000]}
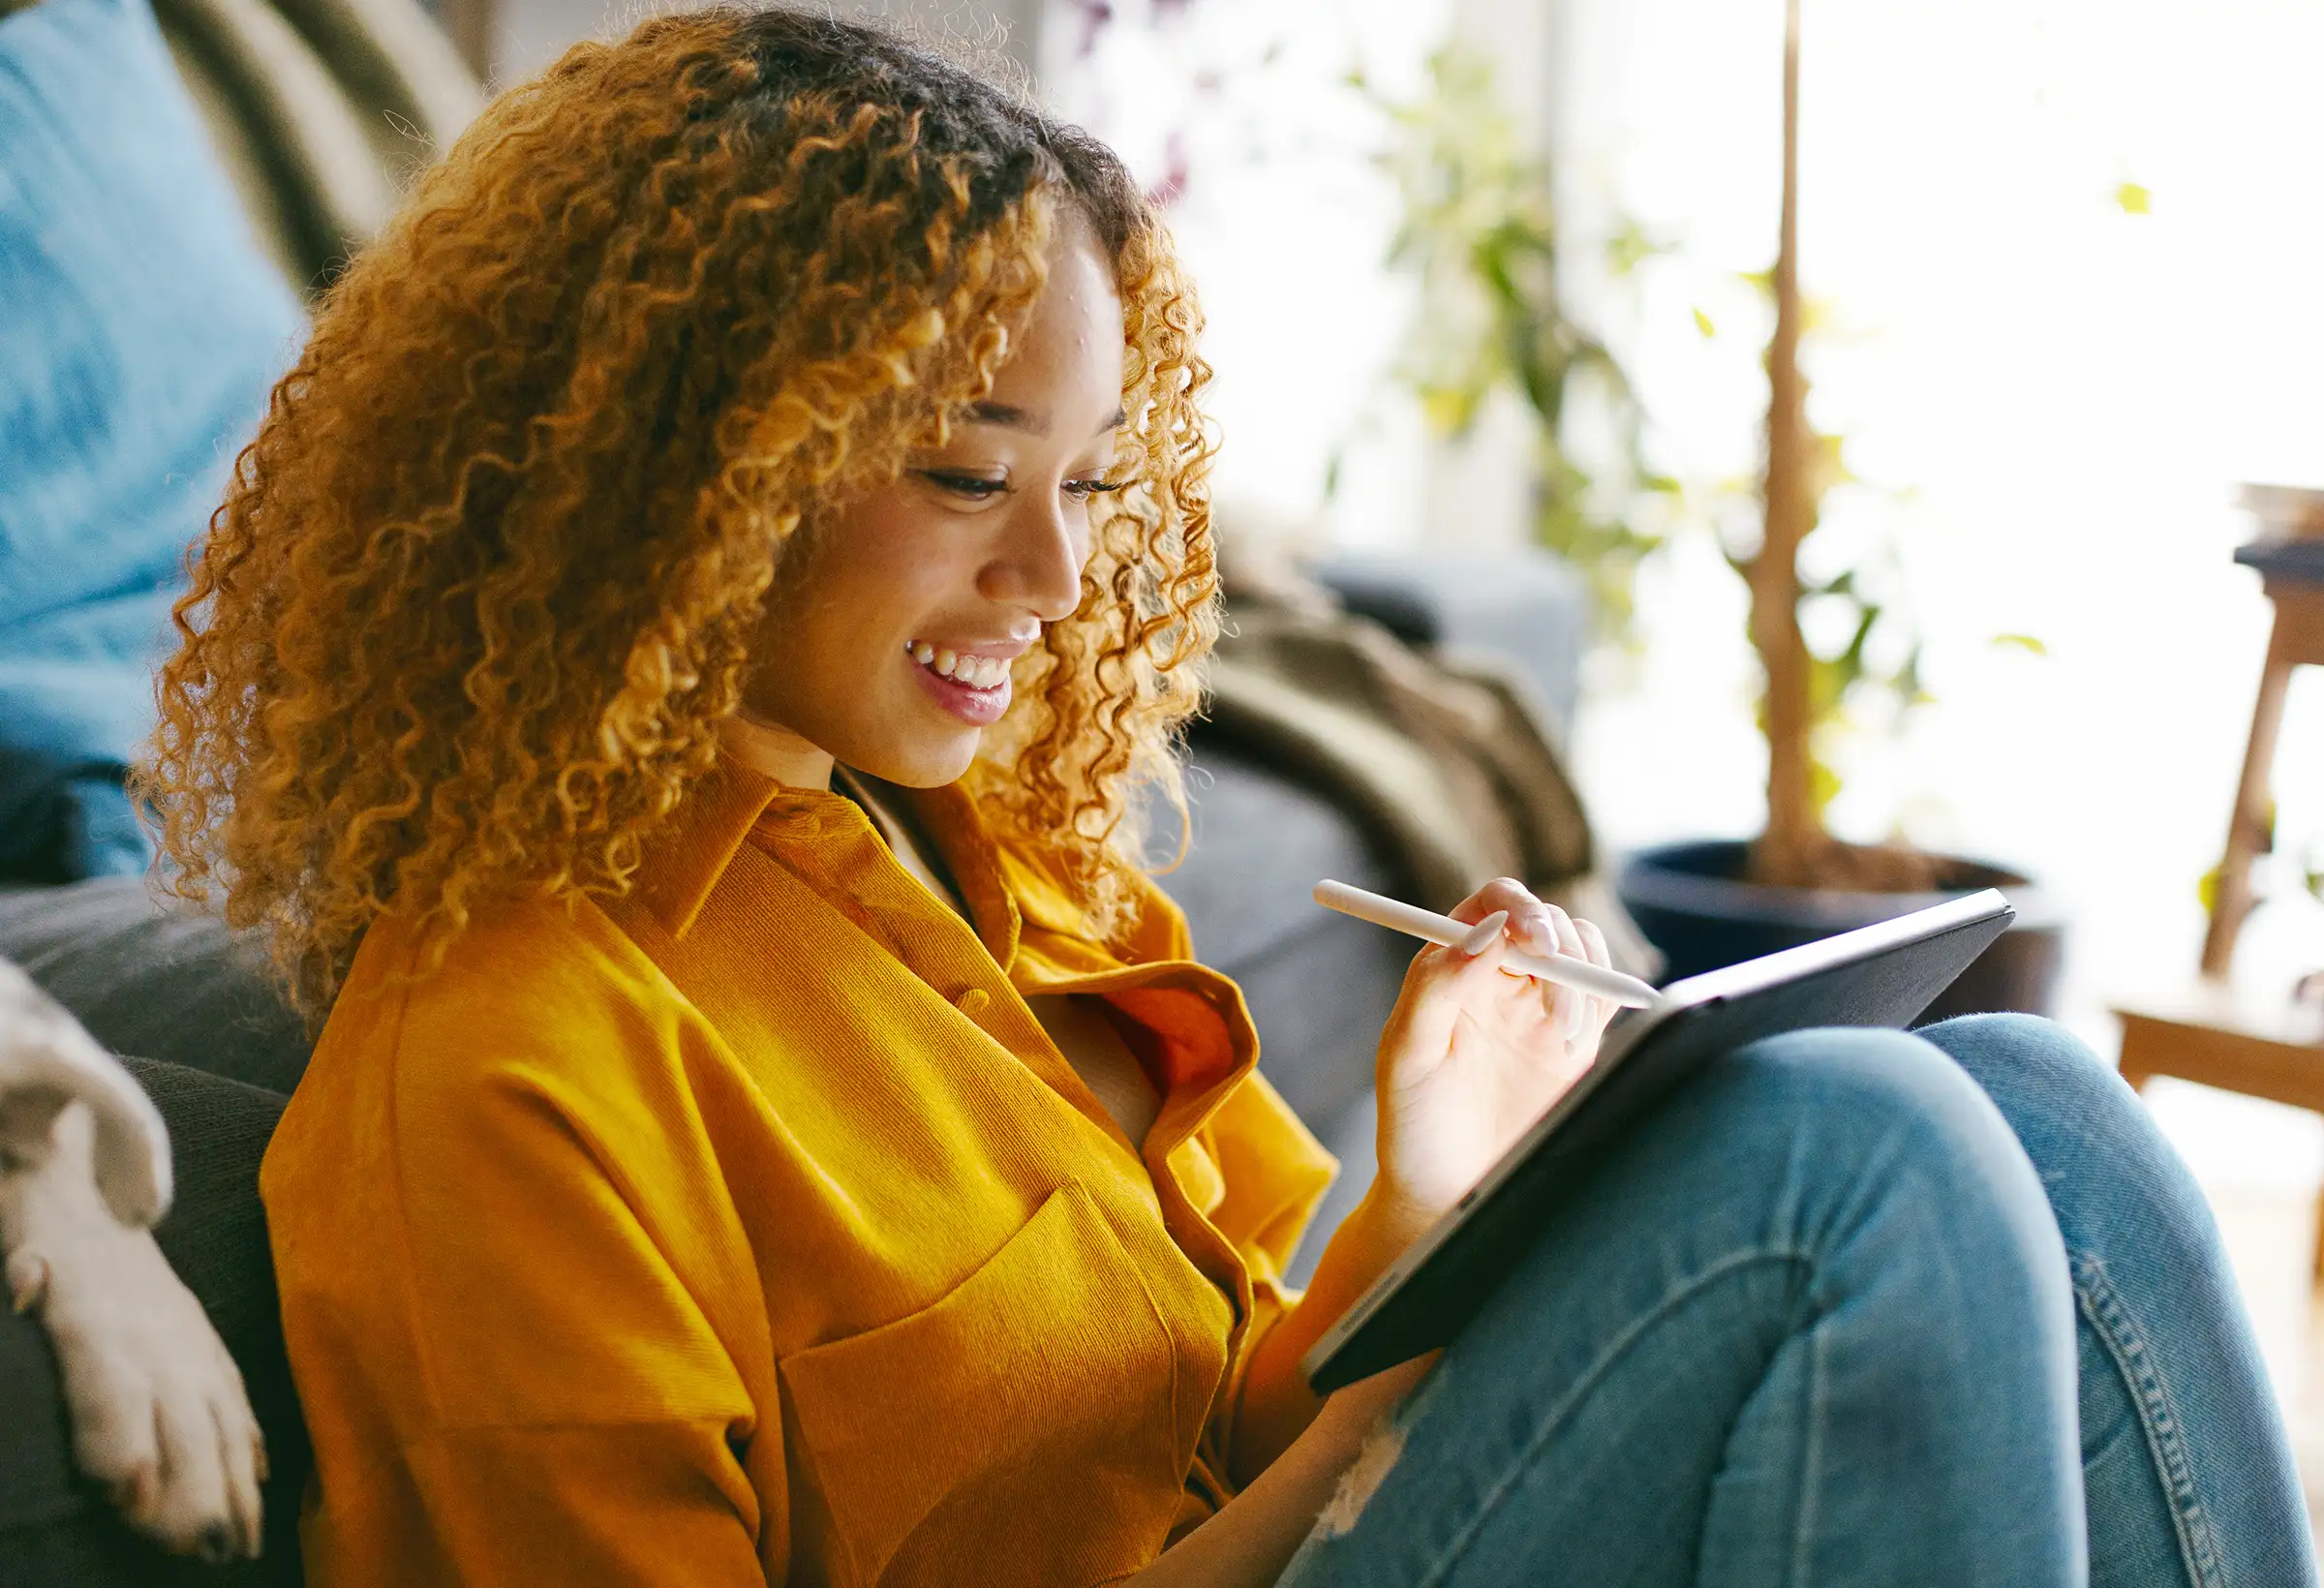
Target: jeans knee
{"type": "Point", "coordinates": [1871, 1088]}
{"type": "Point", "coordinates": [2005, 1050]}
{"type": "Point", "coordinates": [1882, 1121]}
{"type": "Point", "coordinates": [2087, 1132]}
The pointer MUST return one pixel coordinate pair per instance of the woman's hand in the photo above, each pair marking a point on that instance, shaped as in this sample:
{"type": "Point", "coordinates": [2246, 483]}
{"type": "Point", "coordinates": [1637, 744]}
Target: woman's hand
{"type": "Point", "coordinates": [1474, 1054]}
{"type": "Point", "coordinates": [1471, 1056]}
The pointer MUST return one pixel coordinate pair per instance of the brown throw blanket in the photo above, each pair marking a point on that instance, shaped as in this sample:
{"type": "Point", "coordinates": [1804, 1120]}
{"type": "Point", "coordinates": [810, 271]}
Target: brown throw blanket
{"type": "Point", "coordinates": [1447, 762]}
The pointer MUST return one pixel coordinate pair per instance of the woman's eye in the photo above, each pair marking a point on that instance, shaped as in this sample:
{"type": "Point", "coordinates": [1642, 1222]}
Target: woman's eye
{"type": "Point", "coordinates": [975, 487]}
{"type": "Point", "coordinates": [983, 487]}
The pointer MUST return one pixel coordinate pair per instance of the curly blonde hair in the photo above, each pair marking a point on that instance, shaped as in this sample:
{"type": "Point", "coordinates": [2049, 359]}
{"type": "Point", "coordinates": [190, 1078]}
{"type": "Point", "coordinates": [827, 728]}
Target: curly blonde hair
{"type": "Point", "coordinates": [480, 592]}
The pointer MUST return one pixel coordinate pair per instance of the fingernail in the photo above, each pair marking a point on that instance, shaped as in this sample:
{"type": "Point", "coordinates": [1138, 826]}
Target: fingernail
{"type": "Point", "coordinates": [217, 1544]}
{"type": "Point", "coordinates": [1482, 934]}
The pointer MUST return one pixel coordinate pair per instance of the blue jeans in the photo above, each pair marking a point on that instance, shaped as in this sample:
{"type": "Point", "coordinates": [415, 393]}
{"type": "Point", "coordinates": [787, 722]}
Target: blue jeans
{"type": "Point", "coordinates": [1853, 1308]}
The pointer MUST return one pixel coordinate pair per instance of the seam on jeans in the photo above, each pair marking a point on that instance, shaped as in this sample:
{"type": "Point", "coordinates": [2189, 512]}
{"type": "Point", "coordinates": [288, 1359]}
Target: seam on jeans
{"type": "Point", "coordinates": [1522, 1462]}
{"type": "Point", "coordinates": [1811, 1461]}
{"type": "Point", "coordinates": [2158, 1416]}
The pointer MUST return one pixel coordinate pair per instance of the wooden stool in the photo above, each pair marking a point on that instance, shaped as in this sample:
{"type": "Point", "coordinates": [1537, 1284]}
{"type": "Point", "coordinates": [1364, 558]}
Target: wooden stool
{"type": "Point", "coordinates": [2273, 1048]}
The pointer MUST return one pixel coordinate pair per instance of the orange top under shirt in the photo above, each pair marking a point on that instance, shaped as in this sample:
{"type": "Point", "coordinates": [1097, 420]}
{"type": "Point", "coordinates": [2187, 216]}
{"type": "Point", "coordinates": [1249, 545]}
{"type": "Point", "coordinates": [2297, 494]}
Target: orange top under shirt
{"type": "Point", "coordinates": [753, 1226]}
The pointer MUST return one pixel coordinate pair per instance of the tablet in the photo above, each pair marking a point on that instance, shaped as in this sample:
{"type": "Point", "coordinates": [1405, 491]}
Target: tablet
{"type": "Point", "coordinates": [1878, 975]}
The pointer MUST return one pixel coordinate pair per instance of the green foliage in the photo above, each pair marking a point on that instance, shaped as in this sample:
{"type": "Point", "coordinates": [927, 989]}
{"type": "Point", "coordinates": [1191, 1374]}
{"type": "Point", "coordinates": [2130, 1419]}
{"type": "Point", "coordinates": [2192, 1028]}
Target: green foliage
{"type": "Point", "coordinates": [1480, 234]}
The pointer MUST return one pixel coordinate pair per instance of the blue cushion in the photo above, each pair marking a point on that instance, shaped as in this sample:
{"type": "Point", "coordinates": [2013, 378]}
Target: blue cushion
{"type": "Point", "coordinates": [140, 332]}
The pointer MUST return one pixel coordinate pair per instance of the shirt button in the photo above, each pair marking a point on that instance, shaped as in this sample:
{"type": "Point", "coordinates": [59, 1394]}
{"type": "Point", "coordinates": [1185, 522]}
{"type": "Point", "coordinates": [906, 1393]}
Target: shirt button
{"type": "Point", "coordinates": [973, 1001]}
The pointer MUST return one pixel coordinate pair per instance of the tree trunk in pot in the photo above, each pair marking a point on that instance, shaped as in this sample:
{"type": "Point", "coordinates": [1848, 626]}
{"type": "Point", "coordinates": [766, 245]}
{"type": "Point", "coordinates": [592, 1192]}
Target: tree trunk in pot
{"type": "Point", "coordinates": [1786, 854]}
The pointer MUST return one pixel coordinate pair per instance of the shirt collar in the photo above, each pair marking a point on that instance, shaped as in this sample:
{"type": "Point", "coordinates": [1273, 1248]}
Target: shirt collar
{"type": "Point", "coordinates": [685, 860]}
{"type": "Point", "coordinates": [719, 812]}
{"type": "Point", "coordinates": [952, 823]}
{"type": "Point", "coordinates": [1010, 895]}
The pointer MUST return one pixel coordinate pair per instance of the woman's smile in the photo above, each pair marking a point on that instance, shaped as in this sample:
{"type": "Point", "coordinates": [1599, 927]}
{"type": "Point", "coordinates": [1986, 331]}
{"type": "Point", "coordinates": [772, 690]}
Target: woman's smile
{"type": "Point", "coordinates": [972, 683]}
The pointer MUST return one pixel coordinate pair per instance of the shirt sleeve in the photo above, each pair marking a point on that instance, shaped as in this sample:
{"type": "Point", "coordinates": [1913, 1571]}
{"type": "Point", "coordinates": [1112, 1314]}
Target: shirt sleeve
{"type": "Point", "coordinates": [1276, 1173]}
{"type": "Point", "coordinates": [587, 1415]}
{"type": "Point", "coordinates": [507, 1299]}
{"type": "Point", "coordinates": [644, 1503]}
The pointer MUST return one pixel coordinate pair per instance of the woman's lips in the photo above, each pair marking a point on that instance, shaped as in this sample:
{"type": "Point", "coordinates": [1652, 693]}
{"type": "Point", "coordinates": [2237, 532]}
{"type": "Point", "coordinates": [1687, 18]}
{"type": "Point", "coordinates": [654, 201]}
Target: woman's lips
{"type": "Point", "coordinates": [981, 708]}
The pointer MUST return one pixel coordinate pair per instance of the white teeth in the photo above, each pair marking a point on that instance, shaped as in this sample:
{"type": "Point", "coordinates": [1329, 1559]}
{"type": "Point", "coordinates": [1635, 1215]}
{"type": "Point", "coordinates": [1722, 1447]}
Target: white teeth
{"type": "Point", "coordinates": [977, 672]}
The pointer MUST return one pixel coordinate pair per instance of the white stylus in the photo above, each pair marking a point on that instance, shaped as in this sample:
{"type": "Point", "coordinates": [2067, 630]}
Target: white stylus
{"type": "Point", "coordinates": [1580, 974]}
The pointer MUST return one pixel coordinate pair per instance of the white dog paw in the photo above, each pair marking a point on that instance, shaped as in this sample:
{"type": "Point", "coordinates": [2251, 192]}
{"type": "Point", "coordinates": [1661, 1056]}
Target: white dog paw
{"type": "Point", "coordinates": [27, 1280]}
{"type": "Point", "coordinates": [158, 1413]}
{"type": "Point", "coordinates": [46, 1060]}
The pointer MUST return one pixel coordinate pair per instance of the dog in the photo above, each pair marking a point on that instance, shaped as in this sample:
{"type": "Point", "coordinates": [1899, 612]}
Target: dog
{"type": "Point", "coordinates": [158, 1409]}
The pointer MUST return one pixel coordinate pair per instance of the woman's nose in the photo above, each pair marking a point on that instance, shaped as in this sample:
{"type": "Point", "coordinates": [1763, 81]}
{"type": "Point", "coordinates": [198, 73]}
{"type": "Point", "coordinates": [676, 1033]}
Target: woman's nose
{"type": "Point", "coordinates": [1041, 559]}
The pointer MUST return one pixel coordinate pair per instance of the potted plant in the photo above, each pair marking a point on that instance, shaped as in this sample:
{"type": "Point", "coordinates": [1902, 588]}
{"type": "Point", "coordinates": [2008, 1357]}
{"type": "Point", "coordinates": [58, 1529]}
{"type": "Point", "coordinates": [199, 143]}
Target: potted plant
{"type": "Point", "coordinates": [1479, 233]}
{"type": "Point", "coordinates": [1711, 904]}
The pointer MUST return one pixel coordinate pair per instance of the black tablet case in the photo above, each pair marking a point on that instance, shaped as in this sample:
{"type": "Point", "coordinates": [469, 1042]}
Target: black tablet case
{"type": "Point", "coordinates": [1410, 1310]}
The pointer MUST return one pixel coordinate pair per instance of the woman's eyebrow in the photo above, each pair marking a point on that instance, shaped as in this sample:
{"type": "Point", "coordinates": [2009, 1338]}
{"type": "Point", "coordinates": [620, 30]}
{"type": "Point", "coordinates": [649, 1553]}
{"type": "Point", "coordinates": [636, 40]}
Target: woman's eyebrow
{"type": "Point", "coordinates": [1011, 418]}
{"type": "Point", "coordinates": [1008, 416]}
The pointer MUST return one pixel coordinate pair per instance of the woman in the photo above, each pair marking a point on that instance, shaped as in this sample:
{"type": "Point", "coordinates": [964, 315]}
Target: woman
{"type": "Point", "coordinates": [676, 673]}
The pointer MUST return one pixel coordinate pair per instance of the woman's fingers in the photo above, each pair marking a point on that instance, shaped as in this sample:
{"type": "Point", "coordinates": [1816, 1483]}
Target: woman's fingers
{"type": "Point", "coordinates": [1437, 984]}
{"type": "Point", "coordinates": [1480, 937]}
{"type": "Point", "coordinates": [1572, 1013]}
{"type": "Point", "coordinates": [1549, 937]}
{"type": "Point", "coordinates": [1569, 937]}
{"type": "Point", "coordinates": [1538, 932]}
{"type": "Point", "coordinates": [1514, 912]}
{"type": "Point", "coordinates": [1503, 893]}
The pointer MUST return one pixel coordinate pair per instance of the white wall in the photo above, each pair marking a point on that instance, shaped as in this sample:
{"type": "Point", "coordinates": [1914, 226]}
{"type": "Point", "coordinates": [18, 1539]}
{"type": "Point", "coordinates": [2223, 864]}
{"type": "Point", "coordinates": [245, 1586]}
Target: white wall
{"type": "Point", "coordinates": [533, 33]}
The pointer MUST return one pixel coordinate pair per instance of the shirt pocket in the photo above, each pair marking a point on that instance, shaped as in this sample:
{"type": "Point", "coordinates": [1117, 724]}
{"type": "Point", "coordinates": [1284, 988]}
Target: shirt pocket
{"type": "Point", "coordinates": [1023, 1425]}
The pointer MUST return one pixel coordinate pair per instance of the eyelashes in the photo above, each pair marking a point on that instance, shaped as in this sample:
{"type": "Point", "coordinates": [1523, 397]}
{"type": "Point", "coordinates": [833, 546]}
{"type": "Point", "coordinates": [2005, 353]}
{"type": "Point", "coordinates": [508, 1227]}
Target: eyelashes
{"type": "Point", "coordinates": [978, 488]}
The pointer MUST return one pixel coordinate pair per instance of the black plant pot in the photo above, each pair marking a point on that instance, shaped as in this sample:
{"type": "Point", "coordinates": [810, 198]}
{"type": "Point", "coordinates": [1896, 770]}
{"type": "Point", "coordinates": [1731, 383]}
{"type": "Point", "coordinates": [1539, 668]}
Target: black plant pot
{"type": "Point", "coordinates": [1692, 901]}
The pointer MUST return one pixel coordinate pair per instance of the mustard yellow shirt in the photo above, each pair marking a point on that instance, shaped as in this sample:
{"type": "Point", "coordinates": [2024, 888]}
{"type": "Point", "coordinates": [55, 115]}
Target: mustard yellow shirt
{"type": "Point", "coordinates": [751, 1227]}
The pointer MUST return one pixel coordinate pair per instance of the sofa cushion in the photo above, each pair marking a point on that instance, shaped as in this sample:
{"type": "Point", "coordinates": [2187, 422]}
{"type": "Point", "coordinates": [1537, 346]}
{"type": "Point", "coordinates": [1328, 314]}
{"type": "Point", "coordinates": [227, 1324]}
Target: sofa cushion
{"type": "Point", "coordinates": [141, 332]}
{"type": "Point", "coordinates": [169, 983]}
{"type": "Point", "coordinates": [1319, 983]}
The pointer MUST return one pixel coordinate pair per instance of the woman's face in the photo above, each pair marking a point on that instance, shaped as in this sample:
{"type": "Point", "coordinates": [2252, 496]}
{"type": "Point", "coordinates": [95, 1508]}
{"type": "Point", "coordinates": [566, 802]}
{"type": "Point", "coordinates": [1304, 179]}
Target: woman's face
{"type": "Point", "coordinates": [890, 644]}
